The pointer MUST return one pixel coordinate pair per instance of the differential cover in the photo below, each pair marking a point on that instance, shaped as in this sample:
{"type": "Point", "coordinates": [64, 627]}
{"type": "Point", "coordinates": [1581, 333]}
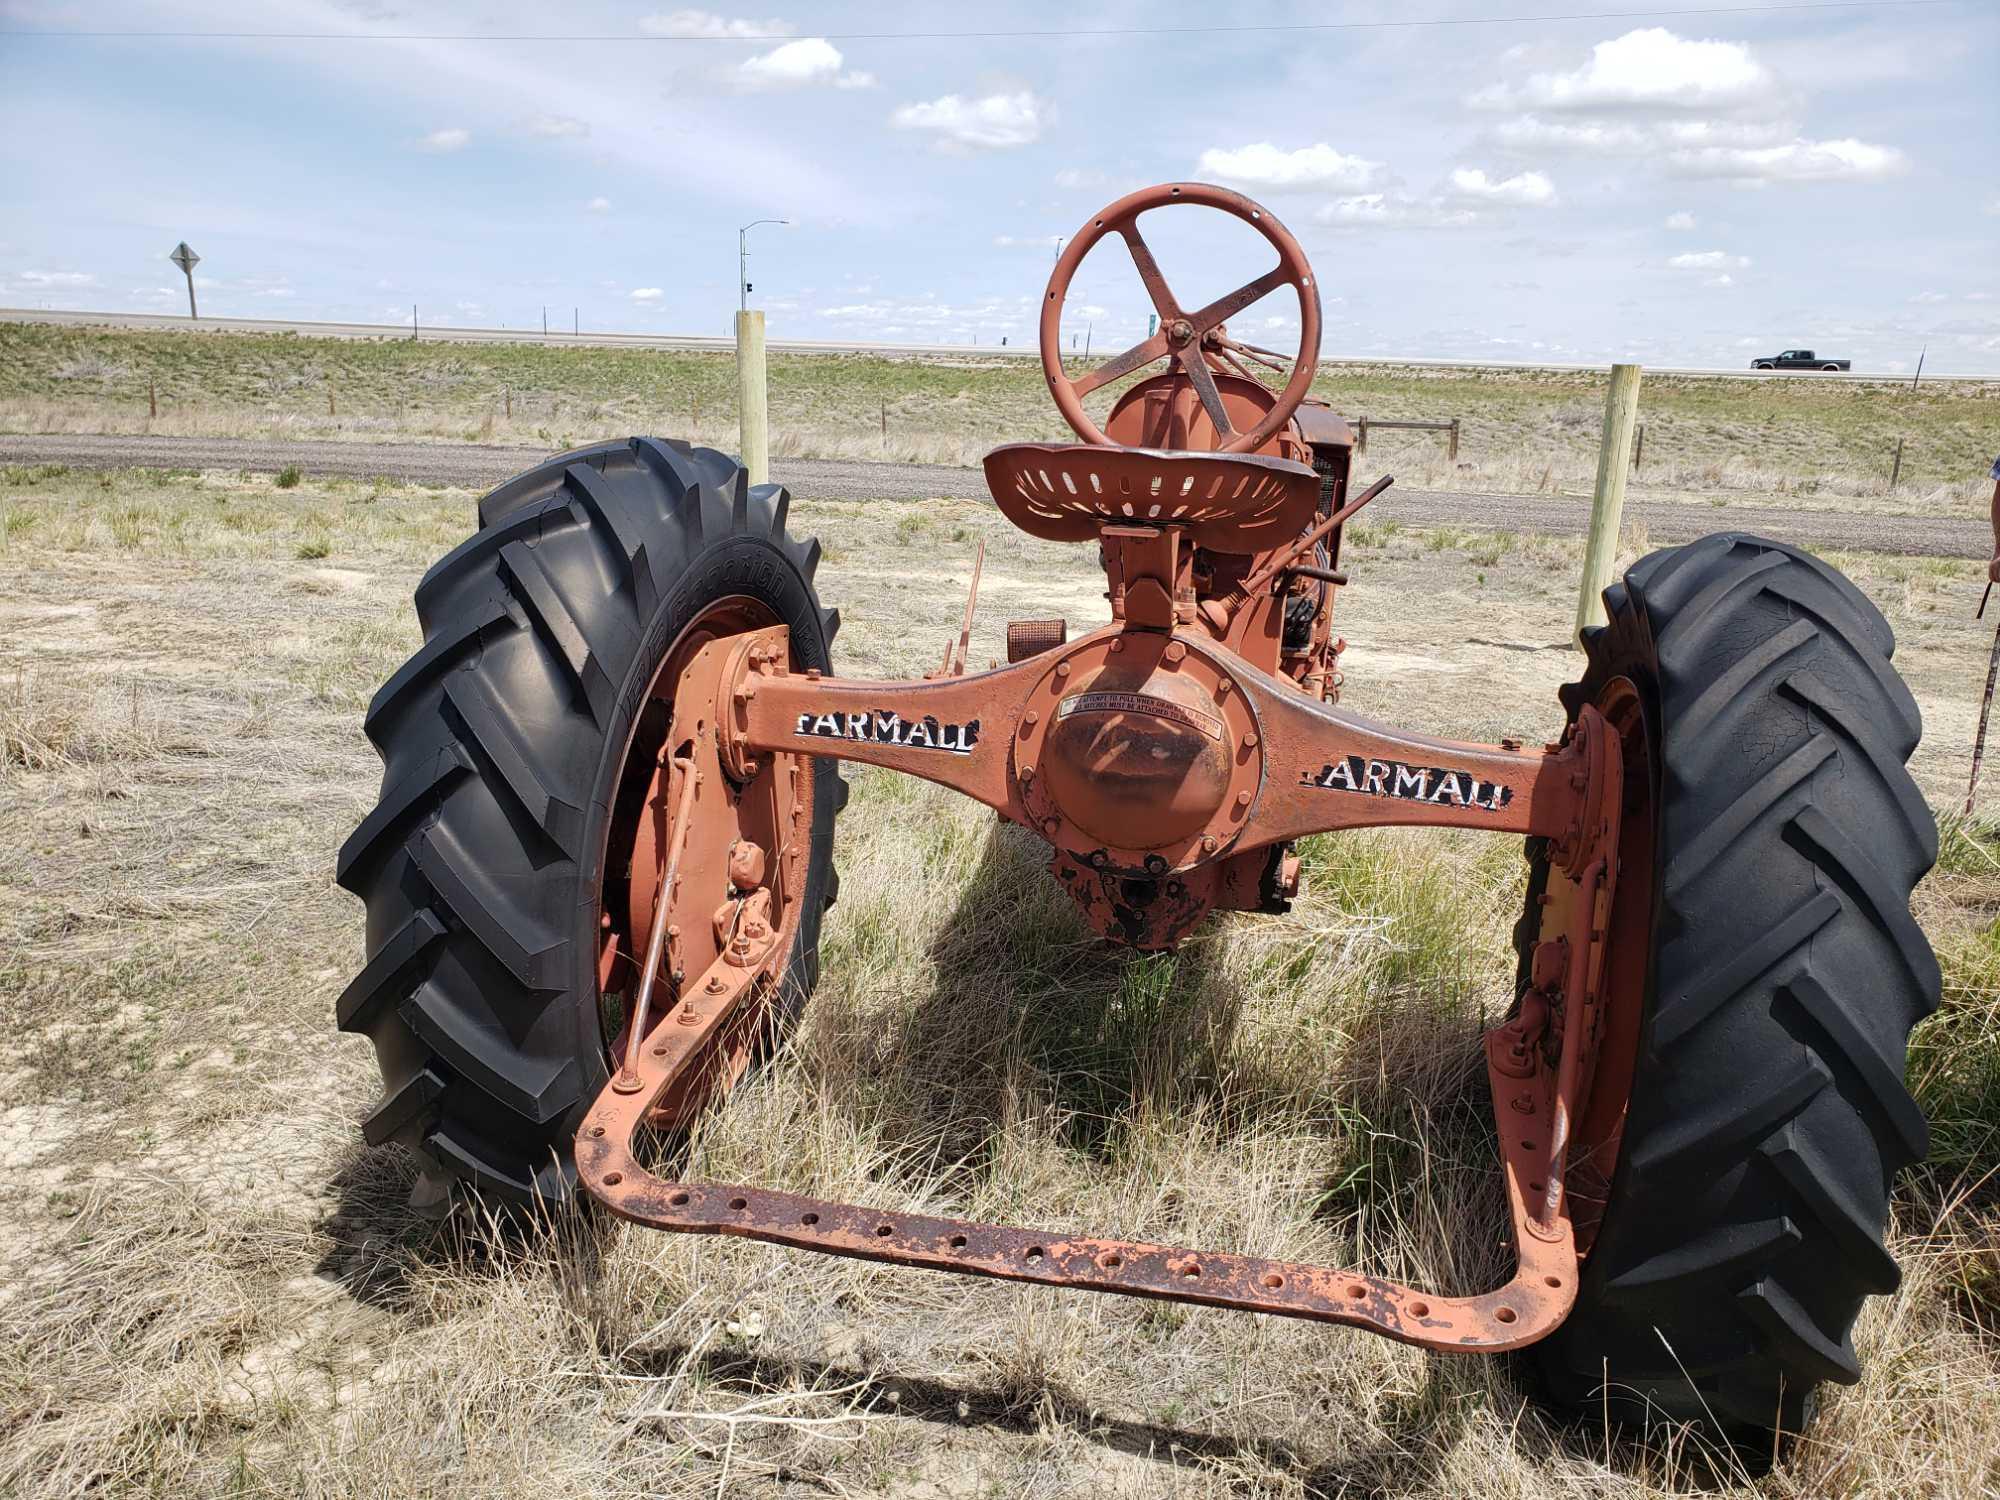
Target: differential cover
{"type": "Point", "coordinates": [1139, 755]}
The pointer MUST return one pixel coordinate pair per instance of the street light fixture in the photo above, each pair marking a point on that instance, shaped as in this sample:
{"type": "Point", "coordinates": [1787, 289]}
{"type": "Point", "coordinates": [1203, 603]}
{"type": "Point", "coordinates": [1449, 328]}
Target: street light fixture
{"type": "Point", "coordinates": [743, 260]}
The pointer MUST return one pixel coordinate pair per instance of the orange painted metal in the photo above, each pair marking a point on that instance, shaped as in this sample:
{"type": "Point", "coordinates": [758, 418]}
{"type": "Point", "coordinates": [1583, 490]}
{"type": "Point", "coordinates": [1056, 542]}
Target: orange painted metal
{"type": "Point", "coordinates": [1171, 759]}
{"type": "Point", "coordinates": [1530, 1305]}
{"type": "Point", "coordinates": [1299, 766]}
{"type": "Point", "coordinates": [1532, 1101]}
{"type": "Point", "coordinates": [1066, 492]}
{"type": "Point", "coordinates": [1192, 341]}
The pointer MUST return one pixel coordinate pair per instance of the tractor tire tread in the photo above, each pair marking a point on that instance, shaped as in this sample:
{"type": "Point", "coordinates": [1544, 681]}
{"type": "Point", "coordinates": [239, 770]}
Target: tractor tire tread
{"type": "Point", "coordinates": [540, 634]}
{"type": "Point", "coordinates": [1769, 1113]}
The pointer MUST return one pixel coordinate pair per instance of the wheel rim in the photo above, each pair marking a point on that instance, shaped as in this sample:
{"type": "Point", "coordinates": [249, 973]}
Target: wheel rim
{"type": "Point", "coordinates": [1600, 1125]}
{"type": "Point", "coordinates": [772, 809]}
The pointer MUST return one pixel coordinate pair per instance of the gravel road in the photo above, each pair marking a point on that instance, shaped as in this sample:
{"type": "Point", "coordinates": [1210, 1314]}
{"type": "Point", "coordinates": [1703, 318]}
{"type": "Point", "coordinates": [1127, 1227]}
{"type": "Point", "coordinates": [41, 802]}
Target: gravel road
{"type": "Point", "coordinates": [475, 465]}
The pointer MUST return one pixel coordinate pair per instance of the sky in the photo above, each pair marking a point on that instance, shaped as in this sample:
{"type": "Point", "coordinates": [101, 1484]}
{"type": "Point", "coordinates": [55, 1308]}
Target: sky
{"type": "Point", "coordinates": [1667, 186]}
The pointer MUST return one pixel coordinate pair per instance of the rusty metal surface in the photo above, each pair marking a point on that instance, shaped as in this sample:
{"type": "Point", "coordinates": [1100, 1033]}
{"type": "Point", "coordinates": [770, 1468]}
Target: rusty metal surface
{"type": "Point", "coordinates": [1533, 1104]}
{"type": "Point", "coordinates": [1026, 638]}
{"type": "Point", "coordinates": [1531, 1305]}
{"type": "Point", "coordinates": [1164, 411]}
{"type": "Point", "coordinates": [1194, 342]}
{"type": "Point", "coordinates": [1065, 492]}
{"type": "Point", "coordinates": [1304, 767]}
{"type": "Point", "coordinates": [726, 815]}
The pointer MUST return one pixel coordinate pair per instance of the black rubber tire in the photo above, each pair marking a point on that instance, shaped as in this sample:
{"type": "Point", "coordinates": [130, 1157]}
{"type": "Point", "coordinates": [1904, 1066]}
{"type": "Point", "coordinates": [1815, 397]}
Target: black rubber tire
{"type": "Point", "coordinates": [1768, 1112]}
{"type": "Point", "coordinates": [501, 741]}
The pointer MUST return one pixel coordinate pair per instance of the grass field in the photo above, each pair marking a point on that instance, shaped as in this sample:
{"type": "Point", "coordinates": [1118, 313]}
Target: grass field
{"type": "Point", "coordinates": [213, 1288]}
{"type": "Point", "coordinates": [1825, 443]}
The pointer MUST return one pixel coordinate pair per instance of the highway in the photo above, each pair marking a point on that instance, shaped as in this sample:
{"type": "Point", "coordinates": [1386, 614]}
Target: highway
{"type": "Point", "coordinates": [474, 466]}
{"type": "Point", "coordinates": [555, 338]}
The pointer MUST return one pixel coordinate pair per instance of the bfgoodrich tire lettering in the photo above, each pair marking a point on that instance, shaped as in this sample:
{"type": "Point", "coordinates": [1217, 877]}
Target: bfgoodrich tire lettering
{"type": "Point", "coordinates": [502, 741]}
{"type": "Point", "coordinates": [1768, 1113]}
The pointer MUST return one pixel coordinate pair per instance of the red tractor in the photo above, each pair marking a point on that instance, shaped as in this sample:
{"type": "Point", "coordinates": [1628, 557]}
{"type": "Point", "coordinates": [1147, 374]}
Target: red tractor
{"type": "Point", "coordinates": [596, 878]}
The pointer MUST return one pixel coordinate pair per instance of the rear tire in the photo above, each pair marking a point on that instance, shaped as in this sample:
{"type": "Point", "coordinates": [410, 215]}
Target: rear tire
{"type": "Point", "coordinates": [503, 741]}
{"type": "Point", "coordinates": [1768, 1112]}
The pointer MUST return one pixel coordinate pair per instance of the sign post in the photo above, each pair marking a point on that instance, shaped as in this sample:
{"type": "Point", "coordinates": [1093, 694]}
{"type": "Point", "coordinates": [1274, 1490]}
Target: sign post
{"type": "Point", "coordinates": [187, 260]}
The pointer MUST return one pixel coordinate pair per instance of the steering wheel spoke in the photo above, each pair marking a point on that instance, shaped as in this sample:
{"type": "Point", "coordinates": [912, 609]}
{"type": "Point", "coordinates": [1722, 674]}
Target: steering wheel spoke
{"type": "Point", "coordinates": [1151, 274]}
{"type": "Point", "coordinates": [1224, 308]}
{"type": "Point", "coordinates": [1135, 358]}
{"type": "Point", "coordinates": [1205, 387]}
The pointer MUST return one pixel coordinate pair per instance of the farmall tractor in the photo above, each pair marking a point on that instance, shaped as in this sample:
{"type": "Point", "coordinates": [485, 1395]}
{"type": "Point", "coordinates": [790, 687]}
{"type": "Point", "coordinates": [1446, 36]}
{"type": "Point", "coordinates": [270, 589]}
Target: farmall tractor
{"type": "Point", "coordinates": [597, 874]}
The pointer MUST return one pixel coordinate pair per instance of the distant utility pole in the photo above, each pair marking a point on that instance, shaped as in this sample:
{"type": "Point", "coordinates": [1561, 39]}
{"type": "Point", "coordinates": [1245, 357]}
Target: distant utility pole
{"type": "Point", "coordinates": [187, 260]}
{"type": "Point", "coordinates": [743, 261]}
{"type": "Point", "coordinates": [575, 323]}
{"type": "Point", "coordinates": [1920, 366]}
{"type": "Point", "coordinates": [545, 320]}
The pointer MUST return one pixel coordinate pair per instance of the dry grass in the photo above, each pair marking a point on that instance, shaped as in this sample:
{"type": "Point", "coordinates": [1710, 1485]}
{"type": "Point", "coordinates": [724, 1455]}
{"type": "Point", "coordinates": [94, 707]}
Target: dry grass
{"type": "Point", "coordinates": [213, 1288]}
{"type": "Point", "coordinates": [1795, 441]}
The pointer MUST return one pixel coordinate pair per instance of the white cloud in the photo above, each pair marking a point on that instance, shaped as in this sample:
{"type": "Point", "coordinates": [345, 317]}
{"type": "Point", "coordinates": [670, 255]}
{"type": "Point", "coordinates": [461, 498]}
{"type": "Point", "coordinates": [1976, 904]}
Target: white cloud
{"type": "Point", "coordinates": [1027, 241]}
{"type": "Point", "coordinates": [796, 65]}
{"type": "Point", "coordinates": [1263, 167]}
{"type": "Point", "coordinates": [710, 27]}
{"type": "Point", "coordinates": [1723, 280]}
{"type": "Point", "coordinates": [1392, 211]}
{"type": "Point", "coordinates": [995, 122]}
{"type": "Point", "coordinates": [1527, 189]}
{"type": "Point", "coordinates": [557, 126]}
{"type": "Point", "coordinates": [1680, 222]}
{"type": "Point", "coordinates": [599, 205]}
{"type": "Point", "coordinates": [57, 278]}
{"type": "Point", "coordinates": [1650, 68]}
{"type": "Point", "coordinates": [1930, 297]}
{"type": "Point", "coordinates": [1708, 260]}
{"type": "Point", "coordinates": [451, 138]}
{"type": "Point", "coordinates": [1798, 161]}
{"type": "Point", "coordinates": [646, 294]}
{"type": "Point", "coordinates": [1071, 179]}
{"type": "Point", "coordinates": [1586, 137]}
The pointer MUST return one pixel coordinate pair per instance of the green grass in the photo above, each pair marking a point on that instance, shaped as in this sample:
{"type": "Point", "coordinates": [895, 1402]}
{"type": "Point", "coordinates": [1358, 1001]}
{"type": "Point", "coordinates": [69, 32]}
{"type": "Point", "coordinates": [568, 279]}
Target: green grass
{"type": "Point", "coordinates": [1816, 440]}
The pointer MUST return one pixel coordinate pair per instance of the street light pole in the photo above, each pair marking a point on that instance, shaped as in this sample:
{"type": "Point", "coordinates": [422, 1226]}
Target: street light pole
{"type": "Point", "coordinates": [743, 261]}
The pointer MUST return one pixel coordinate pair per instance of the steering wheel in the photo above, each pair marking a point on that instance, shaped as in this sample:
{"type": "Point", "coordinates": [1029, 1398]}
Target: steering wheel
{"type": "Point", "coordinates": [1189, 340]}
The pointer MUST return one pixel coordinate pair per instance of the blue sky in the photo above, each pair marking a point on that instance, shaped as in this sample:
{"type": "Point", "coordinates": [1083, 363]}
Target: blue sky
{"type": "Point", "coordinates": [1675, 188]}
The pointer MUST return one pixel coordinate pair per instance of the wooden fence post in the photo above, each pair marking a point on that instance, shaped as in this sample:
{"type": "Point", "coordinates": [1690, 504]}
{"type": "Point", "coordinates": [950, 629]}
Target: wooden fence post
{"type": "Point", "coordinates": [1896, 469]}
{"type": "Point", "coordinates": [1639, 448]}
{"type": "Point", "coordinates": [1607, 505]}
{"type": "Point", "coordinates": [1360, 436]}
{"type": "Point", "coordinates": [152, 400]}
{"type": "Point", "coordinates": [329, 396]}
{"type": "Point", "coordinates": [1451, 453]}
{"type": "Point", "coordinates": [752, 411]}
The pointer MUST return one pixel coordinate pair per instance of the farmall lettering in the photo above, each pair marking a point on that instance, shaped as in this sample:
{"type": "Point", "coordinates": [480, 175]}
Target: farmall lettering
{"type": "Point", "coordinates": [879, 726]}
{"type": "Point", "coordinates": [1407, 783]}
